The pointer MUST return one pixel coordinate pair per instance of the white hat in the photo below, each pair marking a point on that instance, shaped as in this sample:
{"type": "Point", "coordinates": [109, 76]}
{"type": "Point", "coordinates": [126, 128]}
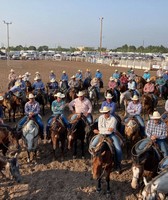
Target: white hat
{"type": "Point", "coordinates": [148, 80]}
{"type": "Point", "coordinates": [80, 94]}
{"type": "Point", "coordinates": [108, 96]}
{"type": "Point", "coordinates": [27, 73]}
{"type": "Point", "coordinates": [52, 71]}
{"type": "Point", "coordinates": [130, 79]}
{"type": "Point", "coordinates": [37, 73]}
{"type": "Point", "coordinates": [111, 78]}
{"type": "Point", "coordinates": [79, 70]}
{"type": "Point", "coordinates": [11, 70]}
{"type": "Point", "coordinates": [156, 115]}
{"type": "Point", "coordinates": [146, 71]}
{"type": "Point", "coordinates": [31, 96]}
{"type": "Point", "coordinates": [123, 73]}
{"type": "Point", "coordinates": [97, 70]}
{"type": "Point", "coordinates": [64, 72]}
{"type": "Point", "coordinates": [20, 76]}
{"type": "Point", "coordinates": [105, 109]}
{"type": "Point", "coordinates": [132, 70]}
{"type": "Point", "coordinates": [135, 98]}
{"type": "Point", "coordinates": [17, 83]}
{"type": "Point", "coordinates": [52, 80]}
{"type": "Point", "coordinates": [60, 95]}
{"type": "Point", "coordinates": [36, 78]}
{"type": "Point", "coordinates": [1, 98]}
{"type": "Point", "coordinates": [116, 70]}
{"type": "Point", "coordinates": [88, 70]}
{"type": "Point", "coordinates": [73, 76]}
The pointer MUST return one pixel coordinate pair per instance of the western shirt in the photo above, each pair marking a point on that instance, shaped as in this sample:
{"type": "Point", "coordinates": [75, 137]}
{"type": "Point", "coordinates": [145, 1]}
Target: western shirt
{"type": "Point", "coordinates": [57, 107]}
{"type": "Point", "coordinates": [134, 109]}
{"type": "Point", "coordinates": [32, 107]}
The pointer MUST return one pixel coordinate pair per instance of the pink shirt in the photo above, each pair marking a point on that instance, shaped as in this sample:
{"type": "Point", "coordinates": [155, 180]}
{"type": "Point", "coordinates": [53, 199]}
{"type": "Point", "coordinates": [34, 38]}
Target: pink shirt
{"type": "Point", "coordinates": [112, 84]}
{"type": "Point", "coordinates": [149, 87]}
{"type": "Point", "coordinates": [83, 106]}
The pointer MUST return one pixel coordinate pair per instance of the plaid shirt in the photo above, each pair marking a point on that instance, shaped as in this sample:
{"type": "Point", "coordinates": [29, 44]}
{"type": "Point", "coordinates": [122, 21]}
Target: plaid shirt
{"type": "Point", "coordinates": [160, 129]}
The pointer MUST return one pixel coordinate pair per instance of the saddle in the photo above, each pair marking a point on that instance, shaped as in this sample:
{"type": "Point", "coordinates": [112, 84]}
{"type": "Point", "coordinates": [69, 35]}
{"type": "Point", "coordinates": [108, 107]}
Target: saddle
{"type": "Point", "coordinates": [163, 164]}
{"type": "Point", "coordinates": [102, 138]}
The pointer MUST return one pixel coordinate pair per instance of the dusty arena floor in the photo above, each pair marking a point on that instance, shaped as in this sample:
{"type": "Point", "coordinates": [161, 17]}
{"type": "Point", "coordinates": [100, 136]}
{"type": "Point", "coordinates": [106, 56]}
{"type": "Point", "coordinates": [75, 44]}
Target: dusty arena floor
{"type": "Point", "coordinates": [69, 179]}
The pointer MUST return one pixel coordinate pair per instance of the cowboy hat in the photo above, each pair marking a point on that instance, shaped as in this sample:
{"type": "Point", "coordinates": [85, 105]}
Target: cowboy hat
{"type": "Point", "coordinates": [116, 70]}
{"type": "Point", "coordinates": [97, 70]}
{"type": "Point", "coordinates": [1, 98]}
{"type": "Point", "coordinates": [31, 96]}
{"type": "Point", "coordinates": [52, 71]}
{"type": "Point", "coordinates": [148, 80]}
{"type": "Point", "coordinates": [11, 70]}
{"type": "Point", "coordinates": [60, 95]}
{"type": "Point", "coordinates": [130, 79]}
{"type": "Point", "coordinates": [111, 78]}
{"type": "Point", "coordinates": [135, 98]}
{"type": "Point", "coordinates": [27, 73]}
{"type": "Point", "coordinates": [20, 76]}
{"type": "Point", "coordinates": [64, 72]}
{"type": "Point", "coordinates": [146, 71]}
{"type": "Point", "coordinates": [156, 115]}
{"type": "Point", "coordinates": [80, 94]}
{"type": "Point", "coordinates": [37, 78]}
{"type": "Point", "coordinates": [79, 70]}
{"type": "Point", "coordinates": [73, 76]}
{"type": "Point", "coordinates": [108, 96]}
{"type": "Point", "coordinates": [52, 80]}
{"type": "Point", "coordinates": [105, 109]}
{"type": "Point", "coordinates": [88, 70]}
{"type": "Point", "coordinates": [123, 73]}
{"type": "Point", "coordinates": [17, 83]}
{"type": "Point", "coordinates": [37, 73]}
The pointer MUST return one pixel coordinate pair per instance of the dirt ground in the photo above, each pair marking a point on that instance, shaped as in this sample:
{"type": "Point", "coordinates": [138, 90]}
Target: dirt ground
{"type": "Point", "coordinates": [69, 179]}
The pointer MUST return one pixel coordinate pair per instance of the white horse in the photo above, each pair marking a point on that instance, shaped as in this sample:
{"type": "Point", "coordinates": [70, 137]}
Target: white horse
{"type": "Point", "coordinates": [125, 97]}
{"type": "Point", "coordinates": [157, 188]}
{"type": "Point", "coordinates": [30, 137]}
{"type": "Point", "coordinates": [93, 96]}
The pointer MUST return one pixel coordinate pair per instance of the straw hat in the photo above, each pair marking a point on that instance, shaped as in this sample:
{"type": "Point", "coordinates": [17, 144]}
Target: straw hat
{"type": "Point", "coordinates": [80, 94]}
{"type": "Point", "coordinates": [31, 96]}
{"type": "Point", "coordinates": [37, 73]}
{"type": "Point", "coordinates": [11, 70]}
{"type": "Point", "coordinates": [73, 76]}
{"type": "Point", "coordinates": [116, 70]}
{"type": "Point", "coordinates": [27, 73]}
{"type": "Point", "coordinates": [60, 95]}
{"type": "Point", "coordinates": [52, 71]}
{"type": "Point", "coordinates": [52, 80]}
{"type": "Point", "coordinates": [135, 98]}
{"type": "Point", "coordinates": [130, 79]}
{"type": "Point", "coordinates": [156, 115]}
{"type": "Point", "coordinates": [37, 78]}
{"type": "Point", "coordinates": [88, 70]}
{"type": "Point", "coordinates": [64, 72]}
{"type": "Point", "coordinates": [108, 96]}
{"type": "Point", "coordinates": [146, 71]}
{"type": "Point", "coordinates": [97, 70]}
{"type": "Point", "coordinates": [1, 98]}
{"type": "Point", "coordinates": [148, 80]}
{"type": "Point", "coordinates": [20, 76]}
{"type": "Point", "coordinates": [105, 109]}
{"type": "Point", "coordinates": [79, 70]}
{"type": "Point", "coordinates": [111, 78]}
{"type": "Point", "coordinates": [123, 73]}
{"type": "Point", "coordinates": [17, 83]}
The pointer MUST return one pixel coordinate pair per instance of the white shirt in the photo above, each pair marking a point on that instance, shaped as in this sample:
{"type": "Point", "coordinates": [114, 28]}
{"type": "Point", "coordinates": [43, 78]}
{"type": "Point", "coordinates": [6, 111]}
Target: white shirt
{"type": "Point", "coordinates": [166, 105]}
{"type": "Point", "coordinates": [104, 124]}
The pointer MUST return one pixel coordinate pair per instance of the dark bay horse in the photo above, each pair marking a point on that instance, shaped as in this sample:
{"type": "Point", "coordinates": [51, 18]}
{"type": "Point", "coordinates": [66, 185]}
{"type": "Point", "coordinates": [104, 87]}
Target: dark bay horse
{"type": "Point", "coordinates": [41, 98]}
{"type": "Point", "coordinates": [71, 95]}
{"type": "Point", "coordinates": [146, 157]}
{"type": "Point", "coordinates": [58, 134]}
{"type": "Point", "coordinates": [140, 81]}
{"type": "Point", "coordinates": [75, 133]}
{"type": "Point", "coordinates": [103, 160]}
{"type": "Point", "coordinates": [147, 105]}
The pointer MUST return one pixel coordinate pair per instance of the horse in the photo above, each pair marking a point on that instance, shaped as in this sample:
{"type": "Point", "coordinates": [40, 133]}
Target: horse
{"type": "Point", "coordinates": [156, 188]}
{"type": "Point", "coordinates": [146, 157]}
{"type": "Point", "coordinates": [125, 98]}
{"type": "Point", "coordinates": [75, 133]}
{"type": "Point", "coordinates": [58, 134]}
{"type": "Point", "coordinates": [132, 134]}
{"type": "Point", "coordinates": [11, 103]}
{"type": "Point", "coordinates": [86, 83]}
{"type": "Point", "coordinates": [11, 168]}
{"type": "Point", "coordinates": [147, 105]}
{"type": "Point", "coordinates": [71, 95]}
{"type": "Point", "coordinates": [11, 84]}
{"type": "Point", "coordinates": [29, 87]}
{"type": "Point", "coordinates": [103, 160]}
{"type": "Point", "coordinates": [93, 96]}
{"type": "Point", "coordinates": [41, 98]}
{"type": "Point", "coordinates": [8, 136]}
{"type": "Point", "coordinates": [30, 133]}
{"type": "Point", "coordinates": [140, 81]}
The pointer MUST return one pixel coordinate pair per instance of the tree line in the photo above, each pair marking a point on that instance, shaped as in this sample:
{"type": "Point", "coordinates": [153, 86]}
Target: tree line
{"type": "Point", "coordinates": [124, 48]}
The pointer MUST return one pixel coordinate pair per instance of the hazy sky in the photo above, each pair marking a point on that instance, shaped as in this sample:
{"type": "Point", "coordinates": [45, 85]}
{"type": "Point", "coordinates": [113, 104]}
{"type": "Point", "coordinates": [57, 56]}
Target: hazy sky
{"type": "Point", "coordinates": [76, 22]}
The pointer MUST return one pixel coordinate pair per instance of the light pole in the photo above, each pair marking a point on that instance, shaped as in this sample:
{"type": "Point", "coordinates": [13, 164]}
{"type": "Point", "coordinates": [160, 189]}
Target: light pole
{"type": "Point", "coordinates": [7, 24]}
{"type": "Point", "coordinates": [101, 27]}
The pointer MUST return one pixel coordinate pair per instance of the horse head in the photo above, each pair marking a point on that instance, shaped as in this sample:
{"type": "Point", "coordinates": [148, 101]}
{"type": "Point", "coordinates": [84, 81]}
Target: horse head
{"type": "Point", "coordinates": [130, 128]}
{"type": "Point", "coordinates": [30, 135]}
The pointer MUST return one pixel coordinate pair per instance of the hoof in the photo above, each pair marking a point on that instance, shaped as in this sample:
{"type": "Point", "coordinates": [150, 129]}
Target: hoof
{"type": "Point", "coordinates": [83, 157]}
{"type": "Point", "coordinates": [74, 157]}
{"type": "Point", "coordinates": [108, 194]}
{"type": "Point", "coordinates": [98, 190]}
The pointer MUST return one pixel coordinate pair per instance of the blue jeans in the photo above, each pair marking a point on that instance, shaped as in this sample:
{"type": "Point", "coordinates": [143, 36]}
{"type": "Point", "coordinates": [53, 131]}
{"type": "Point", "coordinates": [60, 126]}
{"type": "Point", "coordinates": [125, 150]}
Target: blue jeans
{"type": "Point", "coordinates": [88, 118]}
{"type": "Point", "coordinates": [37, 119]}
{"type": "Point", "coordinates": [163, 146]}
{"type": "Point", "coordinates": [116, 143]}
{"type": "Point", "coordinates": [161, 89]}
{"type": "Point", "coordinates": [165, 115]}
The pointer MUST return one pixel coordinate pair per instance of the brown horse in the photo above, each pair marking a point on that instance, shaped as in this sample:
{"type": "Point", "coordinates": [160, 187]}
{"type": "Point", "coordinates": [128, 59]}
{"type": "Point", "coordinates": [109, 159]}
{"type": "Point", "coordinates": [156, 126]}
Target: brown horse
{"type": "Point", "coordinates": [146, 157]}
{"type": "Point", "coordinates": [71, 95]}
{"type": "Point", "coordinates": [140, 83]}
{"type": "Point", "coordinates": [58, 134]}
{"type": "Point", "coordinates": [132, 134]}
{"type": "Point", "coordinates": [147, 105]}
{"type": "Point", "coordinates": [103, 160]}
{"type": "Point", "coordinates": [11, 103]}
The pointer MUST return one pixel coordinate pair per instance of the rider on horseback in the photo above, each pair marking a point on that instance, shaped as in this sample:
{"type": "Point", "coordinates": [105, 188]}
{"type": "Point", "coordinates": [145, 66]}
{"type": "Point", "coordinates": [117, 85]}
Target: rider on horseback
{"type": "Point", "coordinates": [73, 83]}
{"type": "Point", "coordinates": [134, 109]}
{"type": "Point", "coordinates": [53, 86]}
{"type": "Point", "coordinates": [107, 127]}
{"type": "Point", "coordinates": [96, 85]}
{"type": "Point", "coordinates": [12, 76]}
{"type": "Point", "coordinates": [52, 75]}
{"type": "Point", "coordinates": [57, 108]}
{"type": "Point", "coordinates": [26, 76]}
{"type": "Point", "coordinates": [38, 84]}
{"type": "Point", "coordinates": [112, 84]}
{"type": "Point", "coordinates": [146, 75]}
{"type": "Point", "coordinates": [15, 90]}
{"type": "Point", "coordinates": [81, 105]}
{"type": "Point", "coordinates": [124, 79]}
{"type": "Point", "coordinates": [149, 89]}
{"type": "Point", "coordinates": [32, 110]}
{"type": "Point", "coordinates": [78, 75]}
{"type": "Point", "coordinates": [23, 84]}
{"type": "Point", "coordinates": [116, 75]}
{"type": "Point", "coordinates": [132, 86]}
{"type": "Point", "coordinates": [64, 82]}
{"type": "Point", "coordinates": [156, 129]}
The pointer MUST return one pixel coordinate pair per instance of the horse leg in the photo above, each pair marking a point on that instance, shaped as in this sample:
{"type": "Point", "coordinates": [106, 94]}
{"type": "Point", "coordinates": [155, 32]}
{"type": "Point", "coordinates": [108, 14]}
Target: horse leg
{"type": "Point", "coordinates": [82, 148]}
{"type": "Point", "coordinates": [75, 149]}
{"type": "Point", "coordinates": [108, 183]}
{"type": "Point", "coordinates": [14, 113]}
{"type": "Point", "coordinates": [28, 156]}
{"type": "Point", "coordinates": [62, 149]}
{"type": "Point", "coordinates": [98, 185]}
